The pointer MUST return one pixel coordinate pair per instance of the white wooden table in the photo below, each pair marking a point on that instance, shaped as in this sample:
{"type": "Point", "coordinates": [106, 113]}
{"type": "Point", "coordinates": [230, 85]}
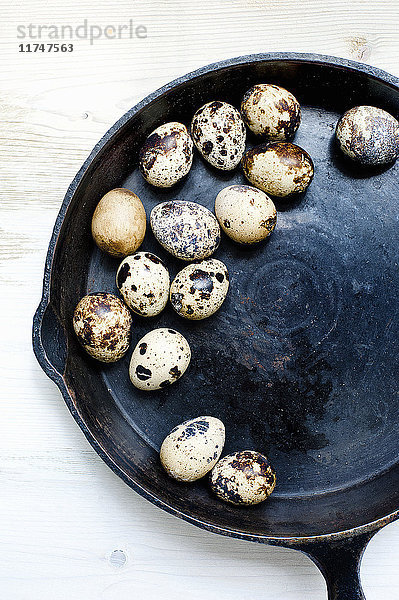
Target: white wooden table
{"type": "Point", "coordinates": [70, 529]}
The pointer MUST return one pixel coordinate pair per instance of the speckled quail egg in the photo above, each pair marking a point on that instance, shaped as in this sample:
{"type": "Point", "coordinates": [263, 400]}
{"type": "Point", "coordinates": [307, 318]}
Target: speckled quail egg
{"type": "Point", "coordinates": [119, 222]}
{"type": "Point", "coordinates": [243, 478]}
{"type": "Point", "coordinates": [102, 324]}
{"type": "Point", "coordinates": [159, 359]}
{"type": "Point", "coordinates": [143, 281]}
{"type": "Point", "coordinates": [246, 214]}
{"type": "Point", "coordinates": [271, 111]}
{"type": "Point", "coordinates": [167, 155]}
{"type": "Point", "coordinates": [193, 448]}
{"type": "Point", "coordinates": [187, 230]}
{"type": "Point", "coordinates": [280, 168]}
{"type": "Point", "coordinates": [368, 135]}
{"type": "Point", "coordinates": [219, 134]}
{"type": "Point", "coordinates": [199, 290]}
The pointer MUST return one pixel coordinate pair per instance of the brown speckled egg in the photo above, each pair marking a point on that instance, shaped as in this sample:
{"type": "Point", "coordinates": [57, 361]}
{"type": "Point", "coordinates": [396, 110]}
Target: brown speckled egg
{"type": "Point", "coordinates": [271, 112]}
{"type": "Point", "coordinates": [199, 290]}
{"type": "Point", "coordinates": [280, 168]}
{"type": "Point", "coordinates": [167, 155]}
{"type": "Point", "coordinates": [246, 214]}
{"type": "Point", "coordinates": [219, 134]}
{"type": "Point", "coordinates": [102, 324]}
{"type": "Point", "coordinates": [368, 135]}
{"type": "Point", "coordinates": [119, 222]}
{"type": "Point", "coordinates": [160, 358]}
{"type": "Point", "coordinates": [193, 448]}
{"type": "Point", "coordinates": [143, 281]}
{"type": "Point", "coordinates": [187, 230]}
{"type": "Point", "coordinates": [243, 478]}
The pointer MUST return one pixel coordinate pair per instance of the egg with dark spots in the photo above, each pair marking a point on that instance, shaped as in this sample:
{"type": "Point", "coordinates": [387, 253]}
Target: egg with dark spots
{"type": "Point", "coordinates": [187, 230]}
{"type": "Point", "coordinates": [369, 136]}
{"type": "Point", "coordinates": [102, 324]}
{"type": "Point", "coordinates": [219, 134]}
{"type": "Point", "coordinates": [193, 448]}
{"type": "Point", "coordinates": [271, 112]}
{"type": "Point", "coordinates": [243, 478]}
{"type": "Point", "coordinates": [281, 169]}
{"type": "Point", "coordinates": [245, 213]}
{"type": "Point", "coordinates": [159, 359]}
{"type": "Point", "coordinates": [143, 281]}
{"type": "Point", "coordinates": [167, 155]}
{"type": "Point", "coordinates": [200, 289]}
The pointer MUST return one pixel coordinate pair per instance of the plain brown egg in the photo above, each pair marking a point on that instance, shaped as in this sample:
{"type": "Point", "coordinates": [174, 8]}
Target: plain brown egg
{"type": "Point", "coordinates": [119, 222]}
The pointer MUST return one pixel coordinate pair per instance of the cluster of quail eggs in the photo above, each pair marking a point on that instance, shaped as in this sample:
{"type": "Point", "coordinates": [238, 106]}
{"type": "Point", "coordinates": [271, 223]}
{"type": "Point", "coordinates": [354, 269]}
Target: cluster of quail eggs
{"type": "Point", "coordinates": [193, 449]}
{"type": "Point", "coordinates": [190, 232]}
{"type": "Point", "coordinates": [102, 321]}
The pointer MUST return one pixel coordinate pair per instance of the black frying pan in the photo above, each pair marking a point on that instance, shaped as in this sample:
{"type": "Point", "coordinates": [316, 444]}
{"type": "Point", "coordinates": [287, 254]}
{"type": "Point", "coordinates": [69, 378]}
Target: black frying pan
{"type": "Point", "coordinates": [301, 362]}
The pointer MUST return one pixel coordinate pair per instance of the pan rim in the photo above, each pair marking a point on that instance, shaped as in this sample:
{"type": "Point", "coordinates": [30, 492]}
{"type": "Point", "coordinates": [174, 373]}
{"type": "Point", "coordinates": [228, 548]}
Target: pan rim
{"type": "Point", "coordinates": [52, 373]}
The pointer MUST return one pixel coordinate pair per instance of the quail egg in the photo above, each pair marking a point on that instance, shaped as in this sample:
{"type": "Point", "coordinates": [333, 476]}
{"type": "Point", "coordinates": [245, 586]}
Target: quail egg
{"type": "Point", "coordinates": [159, 359]}
{"type": "Point", "coordinates": [368, 135]}
{"type": "Point", "coordinates": [246, 214]}
{"type": "Point", "coordinates": [280, 168]}
{"type": "Point", "coordinates": [219, 134]}
{"type": "Point", "coordinates": [167, 155]}
{"type": "Point", "coordinates": [193, 448]}
{"type": "Point", "coordinates": [119, 222]}
{"type": "Point", "coordinates": [243, 478]}
{"type": "Point", "coordinates": [187, 230]}
{"type": "Point", "coordinates": [102, 325]}
{"type": "Point", "coordinates": [271, 111]}
{"type": "Point", "coordinates": [143, 281]}
{"type": "Point", "coordinates": [199, 290]}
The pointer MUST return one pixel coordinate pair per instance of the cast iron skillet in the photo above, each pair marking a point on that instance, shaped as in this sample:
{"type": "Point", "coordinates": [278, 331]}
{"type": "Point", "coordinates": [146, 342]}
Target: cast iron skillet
{"type": "Point", "coordinates": [301, 362]}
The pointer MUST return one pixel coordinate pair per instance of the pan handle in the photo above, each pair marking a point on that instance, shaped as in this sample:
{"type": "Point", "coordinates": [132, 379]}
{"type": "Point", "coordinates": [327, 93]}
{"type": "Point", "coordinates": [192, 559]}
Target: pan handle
{"type": "Point", "coordinates": [49, 341]}
{"type": "Point", "coordinates": [339, 562]}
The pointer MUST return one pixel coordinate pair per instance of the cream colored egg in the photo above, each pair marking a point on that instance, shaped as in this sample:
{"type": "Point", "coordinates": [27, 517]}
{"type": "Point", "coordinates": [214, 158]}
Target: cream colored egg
{"type": "Point", "coordinates": [280, 169]}
{"type": "Point", "coordinates": [160, 358]}
{"type": "Point", "coordinates": [119, 222]}
{"type": "Point", "coordinates": [167, 155]}
{"type": "Point", "coordinates": [193, 448]}
{"type": "Point", "coordinates": [246, 214]}
{"type": "Point", "coordinates": [102, 325]}
{"type": "Point", "coordinates": [271, 112]}
{"type": "Point", "coordinates": [219, 134]}
{"type": "Point", "coordinates": [187, 230]}
{"type": "Point", "coordinates": [200, 289]}
{"type": "Point", "coordinates": [143, 281]}
{"type": "Point", "coordinates": [243, 478]}
{"type": "Point", "coordinates": [368, 135]}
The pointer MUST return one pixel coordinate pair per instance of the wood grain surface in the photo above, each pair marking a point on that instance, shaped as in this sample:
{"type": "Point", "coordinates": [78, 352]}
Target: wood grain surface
{"type": "Point", "coordinates": [70, 529]}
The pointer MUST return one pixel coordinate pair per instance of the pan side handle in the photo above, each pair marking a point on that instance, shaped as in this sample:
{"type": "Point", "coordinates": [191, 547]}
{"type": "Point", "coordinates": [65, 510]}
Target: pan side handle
{"type": "Point", "coordinates": [49, 341]}
{"type": "Point", "coordinates": [339, 562]}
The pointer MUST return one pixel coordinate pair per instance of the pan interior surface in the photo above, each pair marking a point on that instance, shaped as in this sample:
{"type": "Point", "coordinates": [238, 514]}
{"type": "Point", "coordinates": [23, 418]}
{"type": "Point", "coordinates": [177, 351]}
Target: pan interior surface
{"type": "Point", "coordinates": [301, 361]}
